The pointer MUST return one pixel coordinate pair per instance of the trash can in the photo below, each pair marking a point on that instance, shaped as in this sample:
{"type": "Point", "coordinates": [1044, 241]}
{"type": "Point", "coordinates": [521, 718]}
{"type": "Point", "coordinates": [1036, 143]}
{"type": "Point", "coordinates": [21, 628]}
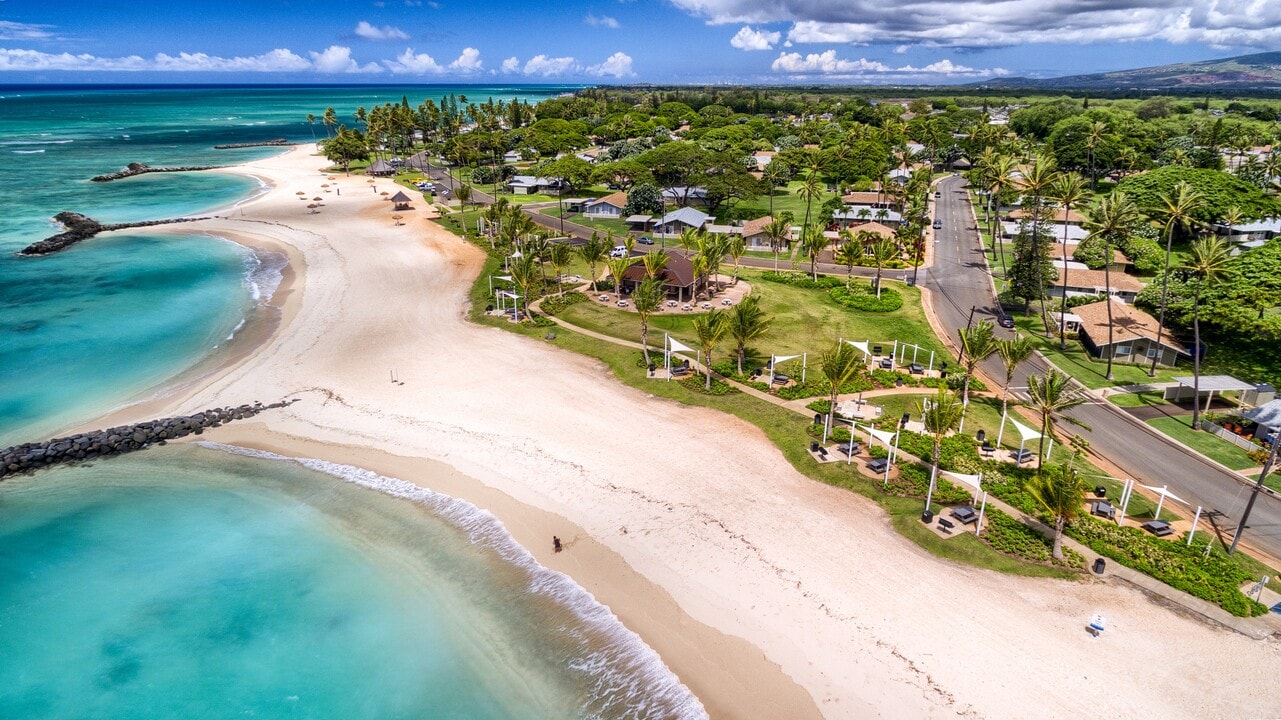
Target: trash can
{"type": "Point", "coordinates": [813, 446]}
{"type": "Point", "coordinates": [818, 418]}
{"type": "Point", "coordinates": [927, 517]}
{"type": "Point", "coordinates": [1100, 491]}
{"type": "Point", "coordinates": [1099, 565]}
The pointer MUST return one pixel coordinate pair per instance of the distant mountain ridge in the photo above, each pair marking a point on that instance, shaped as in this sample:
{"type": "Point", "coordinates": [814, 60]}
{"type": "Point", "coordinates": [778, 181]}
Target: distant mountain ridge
{"type": "Point", "coordinates": [1258, 72]}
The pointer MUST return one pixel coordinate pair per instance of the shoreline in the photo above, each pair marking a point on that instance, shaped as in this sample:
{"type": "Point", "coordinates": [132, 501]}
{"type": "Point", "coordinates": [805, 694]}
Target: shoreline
{"type": "Point", "coordinates": [846, 617]}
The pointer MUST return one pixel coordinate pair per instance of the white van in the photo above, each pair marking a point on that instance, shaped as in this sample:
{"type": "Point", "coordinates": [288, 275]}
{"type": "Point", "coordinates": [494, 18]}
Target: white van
{"type": "Point", "coordinates": [619, 251]}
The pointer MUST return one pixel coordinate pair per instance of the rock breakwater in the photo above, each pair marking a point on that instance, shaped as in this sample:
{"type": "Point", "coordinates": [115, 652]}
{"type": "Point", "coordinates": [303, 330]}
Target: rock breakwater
{"type": "Point", "coordinates": [278, 142]}
{"type": "Point", "coordinates": [118, 440]}
{"type": "Point", "coordinates": [82, 227]}
{"type": "Point", "coordinates": [140, 169]}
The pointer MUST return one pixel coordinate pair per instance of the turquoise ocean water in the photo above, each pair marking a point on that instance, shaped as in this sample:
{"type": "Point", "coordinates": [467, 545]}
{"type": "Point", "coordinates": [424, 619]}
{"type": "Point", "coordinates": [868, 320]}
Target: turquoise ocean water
{"type": "Point", "coordinates": [189, 582]}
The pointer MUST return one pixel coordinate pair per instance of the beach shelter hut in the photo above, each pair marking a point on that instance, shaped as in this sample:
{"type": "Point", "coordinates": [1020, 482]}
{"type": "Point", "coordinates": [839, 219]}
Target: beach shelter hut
{"type": "Point", "coordinates": [380, 168]}
{"type": "Point", "coordinates": [402, 200]}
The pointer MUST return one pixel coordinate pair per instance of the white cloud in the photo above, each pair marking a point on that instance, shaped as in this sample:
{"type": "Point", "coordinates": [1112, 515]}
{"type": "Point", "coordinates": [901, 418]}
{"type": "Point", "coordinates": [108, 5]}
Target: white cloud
{"type": "Point", "coordinates": [411, 63]}
{"type": "Point", "coordinates": [993, 23]}
{"type": "Point", "coordinates": [511, 65]}
{"type": "Point", "coordinates": [468, 61]}
{"type": "Point", "coordinates": [386, 32]}
{"type": "Point", "coordinates": [829, 65]}
{"type": "Point", "coordinates": [901, 49]}
{"type": "Point", "coordinates": [337, 59]}
{"type": "Point", "coordinates": [542, 65]}
{"type": "Point", "coordinates": [748, 39]}
{"type": "Point", "coordinates": [279, 60]}
{"type": "Point", "coordinates": [618, 65]}
{"type": "Point", "coordinates": [10, 30]}
{"type": "Point", "coordinates": [604, 21]}
{"type": "Point", "coordinates": [275, 61]}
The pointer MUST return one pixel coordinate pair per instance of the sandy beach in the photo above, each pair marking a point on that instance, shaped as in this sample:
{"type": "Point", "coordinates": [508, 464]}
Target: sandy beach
{"type": "Point", "coordinates": [770, 595]}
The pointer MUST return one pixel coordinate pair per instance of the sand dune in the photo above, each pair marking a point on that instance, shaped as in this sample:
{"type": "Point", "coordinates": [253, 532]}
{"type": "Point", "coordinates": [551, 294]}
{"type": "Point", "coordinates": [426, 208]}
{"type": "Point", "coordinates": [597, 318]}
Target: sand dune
{"type": "Point", "coordinates": [770, 595]}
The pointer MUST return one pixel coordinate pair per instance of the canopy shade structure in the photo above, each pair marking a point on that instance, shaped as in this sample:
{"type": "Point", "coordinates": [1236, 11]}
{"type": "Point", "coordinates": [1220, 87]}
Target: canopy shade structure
{"type": "Point", "coordinates": [1164, 493]}
{"type": "Point", "coordinates": [1268, 415]}
{"type": "Point", "coordinates": [1025, 433]}
{"type": "Point", "coordinates": [671, 346]}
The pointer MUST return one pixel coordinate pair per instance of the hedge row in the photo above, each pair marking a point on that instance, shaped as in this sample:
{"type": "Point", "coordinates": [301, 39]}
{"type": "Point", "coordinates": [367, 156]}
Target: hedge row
{"type": "Point", "coordinates": [861, 298]}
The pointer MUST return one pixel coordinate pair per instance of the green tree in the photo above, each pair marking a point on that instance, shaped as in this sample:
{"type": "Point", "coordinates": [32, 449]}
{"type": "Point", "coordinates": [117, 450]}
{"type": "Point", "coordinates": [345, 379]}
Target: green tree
{"type": "Point", "coordinates": [346, 147]}
{"type": "Point", "coordinates": [736, 248]}
{"type": "Point", "coordinates": [848, 253]}
{"type": "Point", "coordinates": [776, 174]}
{"type": "Point", "coordinates": [779, 232]}
{"type": "Point", "coordinates": [884, 251]}
{"type": "Point", "coordinates": [646, 298]}
{"type": "Point", "coordinates": [1050, 396]}
{"type": "Point", "coordinates": [1012, 352]}
{"type": "Point", "coordinates": [644, 199]}
{"type": "Point", "coordinates": [526, 273]}
{"type": "Point", "coordinates": [1112, 221]}
{"type": "Point", "coordinates": [561, 254]}
{"type": "Point", "coordinates": [1037, 182]}
{"type": "Point", "coordinates": [710, 328]}
{"type": "Point", "coordinates": [977, 344]}
{"type": "Point", "coordinates": [811, 189]}
{"type": "Point", "coordinates": [1210, 261]}
{"type": "Point", "coordinates": [1068, 191]}
{"type": "Point", "coordinates": [813, 243]}
{"type": "Point", "coordinates": [593, 251]}
{"type": "Point", "coordinates": [654, 261]}
{"type": "Point", "coordinates": [940, 417]}
{"type": "Point", "coordinates": [747, 321]}
{"type": "Point", "coordinates": [840, 363]}
{"type": "Point", "coordinates": [1177, 211]}
{"type": "Point", "coordinates": [618, 266]}
{"type": "Point", "coordinates": [1062, 494]}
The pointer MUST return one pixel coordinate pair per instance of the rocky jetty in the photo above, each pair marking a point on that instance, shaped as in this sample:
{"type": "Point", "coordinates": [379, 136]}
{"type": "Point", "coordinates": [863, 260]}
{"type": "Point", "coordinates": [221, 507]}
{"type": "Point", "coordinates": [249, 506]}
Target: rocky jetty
{"type": "Point", "coordinates": [278, 142]}
{"type": "Point", "coordinates": [139, 169]}
{"type": "Point", "coordinates": [82, 227]}
{"type": "Point", "coordinates": [118, 440]}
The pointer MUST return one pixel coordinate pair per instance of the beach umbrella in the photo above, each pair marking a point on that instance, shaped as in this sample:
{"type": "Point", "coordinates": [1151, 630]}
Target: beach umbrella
{"type": "Point", "coordinates": [324, 185]}
{"type": "Point", "coordinates": [398, 219]}
{"type": "Point", "coordinates": [384, 193]}
{"type": "Point", "coordinates": [317, 199]}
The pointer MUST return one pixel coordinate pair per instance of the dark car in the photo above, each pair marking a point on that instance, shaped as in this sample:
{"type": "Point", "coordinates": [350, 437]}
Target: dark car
{"type": "Point", "coordinates": [938, 224]}
{"type": "Point", "coordinates": [938, 193]}
{"type": "Point", "coordinates": [645, 240]}
{"type": "Point", "coordinates": [1005, 321]}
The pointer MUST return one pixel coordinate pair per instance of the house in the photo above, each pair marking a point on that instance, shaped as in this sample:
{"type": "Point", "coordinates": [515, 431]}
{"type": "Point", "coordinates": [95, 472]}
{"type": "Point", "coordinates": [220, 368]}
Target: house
{"type": "Point", "coordinates": [1060, 215]}
{"type": "Point", "coordinates": [1133, 334]}
{"type": "Point", "coordinates": [754, 232]}
{"type": "Point", "coordinates": [680, 220]}
{"type": "Point", "coordinates": [1265, 229]}
{"type": "Point", "coordinates": [870, 198]}
{"type": "Point", "coordinates": [1073, 283]}
{"type": "Point", "coordinates": [856, 214]}
{"type": "Point", "coordinates": [900, 176]}
{"type": "Point", "coordinates": [589, 155]}
{"type": "Point", "coordinates": [512, 156]}
{"type": "Point", "coordinates": [529, 185]}
{"type": "Point", "coordinates": [1055, 232]}
{"type": "Point", "coordinates": [677, 276]}
{"type": "Point", "coordinates": [682, 195]}
{"type": "Point", "coordinates": [763, 158]}
{"type": "Point", "coordinates": [610, 206]}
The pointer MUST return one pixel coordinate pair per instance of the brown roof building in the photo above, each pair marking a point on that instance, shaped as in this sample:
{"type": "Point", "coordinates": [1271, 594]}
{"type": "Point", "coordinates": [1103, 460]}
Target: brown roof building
{"type": "Point", "coordinates": [677, 277]}
{"type": "Point", "coordinates": [1061, 215]}
{"type": "Point", "coordinates": [1073, 283]}
{"type": "Point", "coordinates": [1133, 337]}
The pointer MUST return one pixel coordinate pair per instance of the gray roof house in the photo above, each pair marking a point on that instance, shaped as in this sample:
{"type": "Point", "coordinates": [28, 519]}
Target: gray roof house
{"type": "Point", "coordinates": [679, 220]}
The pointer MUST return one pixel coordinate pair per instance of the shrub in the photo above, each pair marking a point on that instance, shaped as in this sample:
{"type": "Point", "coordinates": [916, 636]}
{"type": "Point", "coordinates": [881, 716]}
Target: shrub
{"type": "Point", "coordinates": [820, 406]}
{"type": "Point", "coordinates": [914, 481]}
{"type": "Point", "coordinates": [555, 304]}
{"type": "Point", "coordinates": [817, 385]}
{"type": "Point", "coordinates": [859, 299]}
{"type": "Point", "coordinates": [696, 384]}
{"type": "Point", "coordinates": [801, 280]}
{"type": "Point", "coordinates": [1011, 537]}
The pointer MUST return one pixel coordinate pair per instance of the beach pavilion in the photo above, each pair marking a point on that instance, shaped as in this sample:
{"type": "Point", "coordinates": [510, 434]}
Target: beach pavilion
{"type": "Point", "coordinates": [380, 168]}
{"type": "Point", "coordinates": [402, 200]}
{"type": "Point", "coordinates": [677, 277]}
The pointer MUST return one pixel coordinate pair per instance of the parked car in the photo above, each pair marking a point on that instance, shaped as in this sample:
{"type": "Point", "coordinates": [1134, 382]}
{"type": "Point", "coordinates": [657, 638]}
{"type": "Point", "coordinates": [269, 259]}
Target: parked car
{"type": "Point", "coordinates": [619, 251]}
{"type": "Point", "coordinates": [1005, 321]}
{"type": "Point", "coordinates": [645, 240]}
{"type": "Point", "coordinates": [938, 224]}
{"type": "Point", "coordinates": [938, 193]}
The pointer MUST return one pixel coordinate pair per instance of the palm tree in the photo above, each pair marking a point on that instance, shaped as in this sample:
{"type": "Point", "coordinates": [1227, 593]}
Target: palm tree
{"type": "Point", "coordinates": [977, 344]}
{"type": "Point", "coordinates": [884, 250]}
{"type": "Point", "coordinates": [811, 189]}
{"type": "Point", "coordinates": [940, 417]}
{"type": "Point", "coordinates": [647, 297]}
{"type": "Point", "coordinates": [779, 232]}
{"type": "Point", "coordinates": [848, 253]}
{"type": "Point", "coordinates": [1177, 210]}
{"type": "Point", "coordinates": [1068, 190]}
{"type": "Point", "coordinates": [840, 364]}
{"type": "Point", "coordinates": [773, 175]}
{"type": "Point", "coordinates": [813, 242]}
{"type": "Point", "coordinates": [1000, 180]}
{"type": "Point", "coordinates": [329, 119]}
{"type": "Point", "coordinates": [654, 261]}
{"type": "Point", "coordinates": [1231, 218]}
{"type": "Point", "coordinates": [1012, 351]}
{"type": "Point", "coordinates": [710, 328]}
{"type": "Point", "coordinates": [560, 256]}
{"type": "Point", "coordinates": [691, 238]}
{"type": "Point", "coordinates": [1095, 137]}
{"type": "Point", "coordinates": [1062, 494]}
{"type": "Point", "coordinates": [1211, 258]}
{"type": "Point", "coordinates": [1051, 395]}
{"type": "Point", "coordinates": [311, 120]}
{"type": "Point", "coordinates": [736, 248]}
{"type": "Point", "coordinates": [1037, 181]}
{"type": "Point", "coordinates": [618, 266]}
{"type": "Point", "coordinates": [593, 251]}
{"type": "Point", "coordinates": [525, 273]}
{"type": "Point", "coordinates": [746, 323]}
{"type": "Point", "coordinates": [1113, 219]}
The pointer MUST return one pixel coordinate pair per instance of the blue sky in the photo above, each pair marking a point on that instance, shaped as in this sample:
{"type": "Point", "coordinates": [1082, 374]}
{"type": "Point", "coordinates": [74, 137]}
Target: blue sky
{"type": "Point", "coordinates": [616, 41]}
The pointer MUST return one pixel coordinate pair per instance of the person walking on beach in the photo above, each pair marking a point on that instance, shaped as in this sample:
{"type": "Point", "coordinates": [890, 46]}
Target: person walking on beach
{"type": "Point", "coordinates": [556, 543]}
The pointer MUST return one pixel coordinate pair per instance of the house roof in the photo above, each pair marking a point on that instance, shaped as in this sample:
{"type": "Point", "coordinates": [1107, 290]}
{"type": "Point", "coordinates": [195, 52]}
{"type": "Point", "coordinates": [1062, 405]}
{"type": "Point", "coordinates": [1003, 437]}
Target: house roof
{"type": "Point", "coordinates": [851, 213]}
{"type": "Point", "coordinates": [533, 181]}
{"type": "Point", "coordinates": [687, 215]}
{"type": "Point", "coordinates": [877, 228]}
{"type": "Point", "coordinates": [757, 226]}
{"type": "Point", "coordinates": [618, 200]}
{"type": "Point", "coordinates": [401, 197]}
{"type": "Point", "coordinates": [1128, 324]}
{"type": "Point", "coordinates": [1215, 383]}
{"type": "Point", "coordinates": [1268, 415]}
{"type": "Point", "coordinates": [638, 218]}
{"type": "Point", "coordinates": [679, 270]}
{"type": "Point", "coordinates": [1096, 279]}
{"type": "Point", "coordinates": [1075, 233]}
{"type": "Point", "coordinates": [867, 198]}
{"type": "Point", "coordinates": [1060, 215]}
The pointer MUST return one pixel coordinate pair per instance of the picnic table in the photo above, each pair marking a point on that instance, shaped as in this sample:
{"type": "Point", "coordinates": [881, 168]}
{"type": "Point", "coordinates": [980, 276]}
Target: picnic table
{"type": "Point", "coordinates": [781, 379]}
{"type": "Point", "coordinates": [878, 465]}
{"type": "Point", "coordinates": [887, 364]}
{"type": "Point", "coordinates": [1103, 508]}
{"type": "Point", "coordinates": [966, 514]}
{"type": "Point", "coordinates": [1022, 455]}
{"type": "Point", "coordinates": [850, 448]}
{"type": "Point", "coordinates": [916, 369]}
{"type": "Point", "coordinates": [1160, 528]}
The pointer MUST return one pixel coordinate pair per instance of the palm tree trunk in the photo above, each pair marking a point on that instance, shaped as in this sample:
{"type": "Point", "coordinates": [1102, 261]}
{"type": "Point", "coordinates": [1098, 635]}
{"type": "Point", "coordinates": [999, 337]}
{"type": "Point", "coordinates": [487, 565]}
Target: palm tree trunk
{"type": "Point", "coordinates": [1107, 281]}
{"type": "Point", "coordinates": [1165, 287]}
{"type": "Point", "coordinates": [1059, 522]}
{"type": "Point", "coordinates": [645, 340]}
{"type": "Point", "coordinates": [708, 359]}
{"type": "Point", "coordinates": [1063, 306]}
{"type": "Point", "coordinates": [1196, 359]}
{"type": "Point", "coordinates": [742, 348]}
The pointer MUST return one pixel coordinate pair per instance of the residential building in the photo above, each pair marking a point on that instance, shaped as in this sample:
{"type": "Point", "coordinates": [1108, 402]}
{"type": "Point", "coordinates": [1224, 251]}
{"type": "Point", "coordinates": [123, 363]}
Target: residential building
{"type": "Point", "coordinates": [1074, 283]}
{"type": "Point", "coordinates": [1134, 334]}
{"type": "Point", "coordinates": [610, 206]}
{"type": "Point", "coordinates": [680, 220]}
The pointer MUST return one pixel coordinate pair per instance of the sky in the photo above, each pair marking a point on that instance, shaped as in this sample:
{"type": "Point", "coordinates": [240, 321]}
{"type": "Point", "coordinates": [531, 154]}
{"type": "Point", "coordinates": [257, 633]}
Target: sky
{"type": "Point", "coordinates": [615, 41]}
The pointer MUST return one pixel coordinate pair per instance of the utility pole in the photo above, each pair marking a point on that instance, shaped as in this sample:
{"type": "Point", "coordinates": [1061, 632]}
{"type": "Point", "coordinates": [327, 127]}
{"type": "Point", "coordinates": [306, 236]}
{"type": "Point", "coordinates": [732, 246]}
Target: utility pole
{"type": "Point", "coordinates": [1267, 467]}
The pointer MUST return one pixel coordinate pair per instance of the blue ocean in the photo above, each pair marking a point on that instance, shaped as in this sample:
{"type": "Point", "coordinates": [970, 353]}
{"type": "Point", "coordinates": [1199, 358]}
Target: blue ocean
{"type": "Point", "coordinates": [195, 582]}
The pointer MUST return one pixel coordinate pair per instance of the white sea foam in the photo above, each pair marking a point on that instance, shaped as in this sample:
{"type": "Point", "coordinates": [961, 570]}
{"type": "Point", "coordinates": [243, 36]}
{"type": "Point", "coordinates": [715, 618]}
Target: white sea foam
{"type": "Point", "coordinates": [36, 142]}
{"type": "Point", "coordinates": [629, 679]}
{"type": "Point", "coordinates": [27, 152]}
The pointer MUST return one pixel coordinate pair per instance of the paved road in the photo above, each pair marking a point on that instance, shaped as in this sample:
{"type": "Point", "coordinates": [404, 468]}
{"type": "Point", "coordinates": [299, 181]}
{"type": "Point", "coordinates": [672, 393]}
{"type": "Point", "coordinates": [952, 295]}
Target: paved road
{"type": "Point", "coordinates": [960, 280]}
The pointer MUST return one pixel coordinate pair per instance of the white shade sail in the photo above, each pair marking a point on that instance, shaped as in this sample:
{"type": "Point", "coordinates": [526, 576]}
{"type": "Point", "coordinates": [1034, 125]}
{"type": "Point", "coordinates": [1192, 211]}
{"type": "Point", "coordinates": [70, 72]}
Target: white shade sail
{"type": "Point", "coordinates": [1025, 432]}
{"type": "Point", "coordinates": [1166, 493]}
{"type": "Point", "coordinates": [784, 358]}
{"type": "Point", "coordinates": [674, 345]}
{"type": "Point", "coordinates": [974, 480]}
{"type": "Point", "coordinates": [884, 436]}
{"type": "Point", "coordinates": [860, 346]}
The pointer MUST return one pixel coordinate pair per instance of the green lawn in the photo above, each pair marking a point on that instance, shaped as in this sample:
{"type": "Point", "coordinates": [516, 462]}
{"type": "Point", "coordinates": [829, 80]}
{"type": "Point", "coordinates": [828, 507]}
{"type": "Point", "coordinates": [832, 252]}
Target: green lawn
{"type": "Point", "coordinates": [1140, 399]}
{"type": "Point", "coordinates": [1211, 446]}
{"type": "Point", "coordinates": [785, 200]}
{"type": "Point", "coordinates": [803, 321]}
{"type": "Point", "coordinates": [605, 225]}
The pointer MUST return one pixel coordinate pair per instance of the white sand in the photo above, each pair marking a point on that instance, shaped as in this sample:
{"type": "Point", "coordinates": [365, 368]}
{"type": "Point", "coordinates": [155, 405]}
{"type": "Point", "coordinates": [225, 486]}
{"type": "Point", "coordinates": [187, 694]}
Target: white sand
{"type": "Point", "coordinates": [699, 504]}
